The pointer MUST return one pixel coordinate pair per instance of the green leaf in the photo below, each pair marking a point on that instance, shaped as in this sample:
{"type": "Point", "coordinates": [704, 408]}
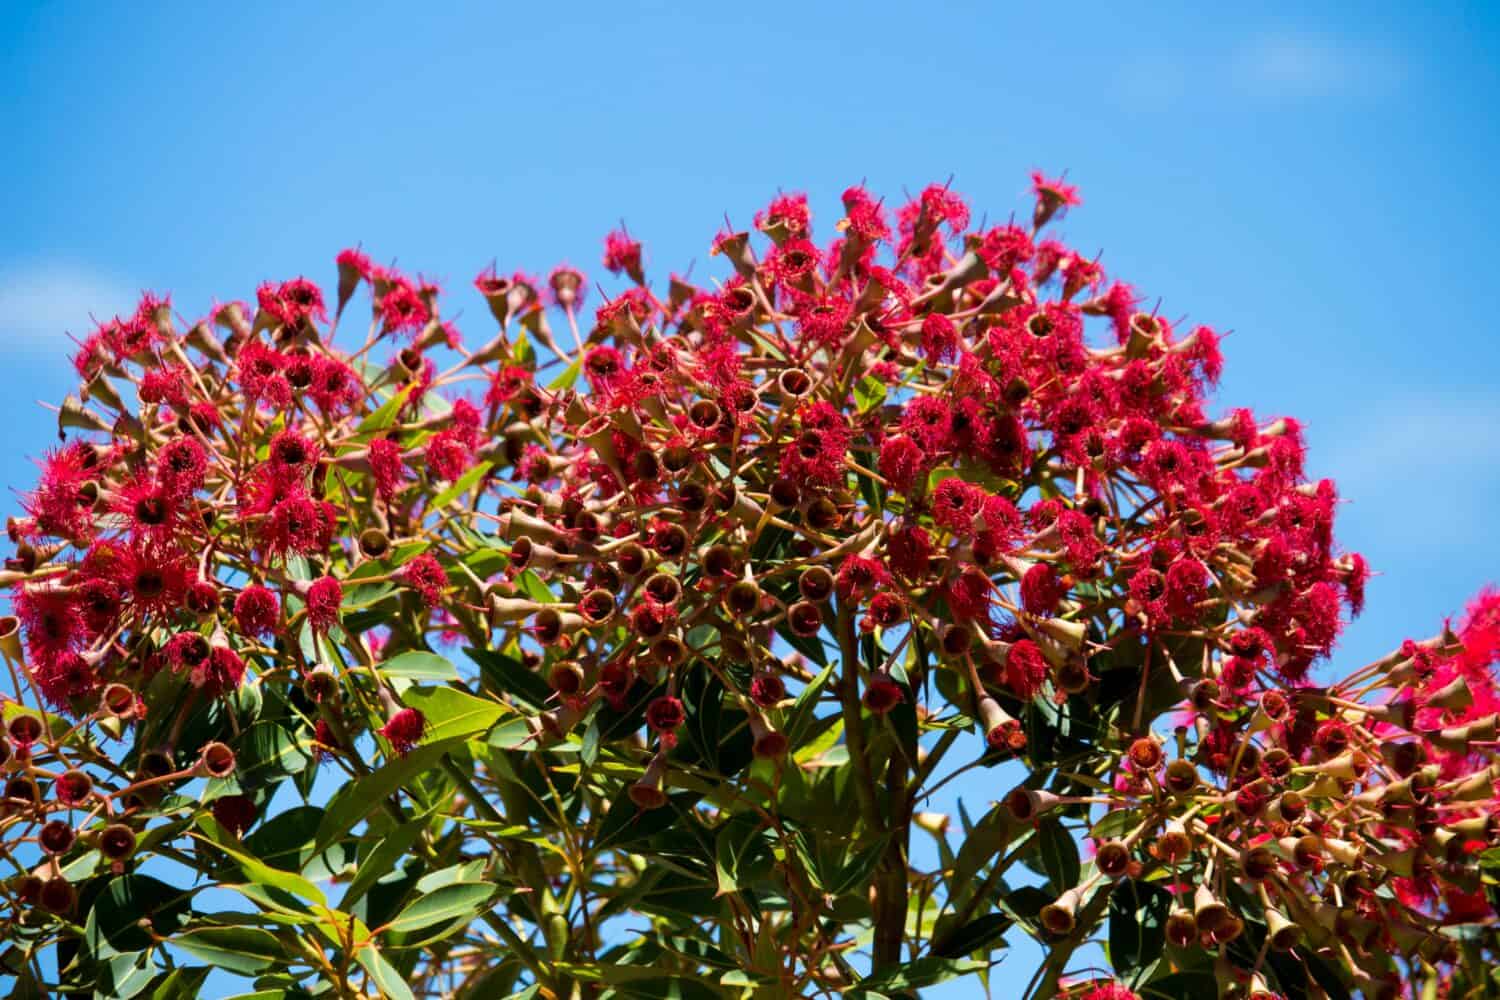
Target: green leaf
{"type": "Point", "coordinates": [382, 860]}
{"type": "Point", "coordinates": [1194, 985]}
{"type": "Point", "coordinates": [567, 378]}
{"type": "Point", "coordinates": [245, 950]}
{"type": "Point", "coordinates": [461, 899]}
{"type": "Point", "coordinates": [181, 984]}
{"type": "Point", "coordinates": [805, 707]}
{"type": "Point", "coordinates": [461, 485]}
{"type": "Point", "coordinates": [1137, 925]}
{"type": "Point", "coordinates": [420, 665]}
{"type": "Point", "coordinates": [357, 800]}
{"type": "Point", "coordinates": [385, 416]}
{"type": "Point", "coordinates": [268, 751]}
{"type": "Point", "coordinates": [285, 840]}
{"type": "Point", "coordinates": [257, 870]}
{"type": "Point", "coordinates": [923, 972]}
{"type": "Point", "coordinates": [128, 900]}
{"type": "Point", "coordinates": [869, 392]}
{"type": "Point", "coordinates": [976, 935]}
{"type": "Point", "coordinates": [387, 978]}
{"type": "Point", "coordinates": [452, 713]}
{"type": "Point", "coordinates": [509, 675]}
{"type": "Point", "coordinates": [1059, 855]}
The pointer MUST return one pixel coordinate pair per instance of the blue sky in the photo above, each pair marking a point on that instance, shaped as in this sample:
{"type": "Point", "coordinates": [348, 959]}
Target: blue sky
{"type": "Point", "coordinates": [1321, 182]}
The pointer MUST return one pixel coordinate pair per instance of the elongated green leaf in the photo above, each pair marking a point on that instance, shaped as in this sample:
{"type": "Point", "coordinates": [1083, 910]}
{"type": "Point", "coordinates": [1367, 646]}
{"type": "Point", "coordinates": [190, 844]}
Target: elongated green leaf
{"type": "Point", "coordinates": [461, 485]}
{"type": "Point", "coordinates": [387, 977]}
{"type": "Point", "coordinates": [448, 903]}
{"type": "Point", "coordinates": [383, 859]}
{"type": "Point", "coordinates": [452, 713]}
{"type": "Point", "coordinates": [257, 870]}
{"type": "Point", "coordinates": [977, 935]}
{"type": "Point", "coordinates": [127, 901]}
{"type": "Point", "coordinates": [1059, 855]}
{"type": "Point", "coordinates": [360, 798]}
{"type": "Point", "coordinates": [420, 665]}
{"type": "Point", "coordinates": [805, 707]}
{"type": "Point", "coordinates": [1137, 925]}
{"type": "Point", "coordinates": [246, 950]}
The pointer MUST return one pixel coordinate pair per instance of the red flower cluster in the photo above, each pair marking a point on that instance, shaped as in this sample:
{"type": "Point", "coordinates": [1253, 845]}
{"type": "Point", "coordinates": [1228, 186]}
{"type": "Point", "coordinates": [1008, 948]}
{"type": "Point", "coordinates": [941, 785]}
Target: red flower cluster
{"type": "Point", "coordinates": [964, 457]}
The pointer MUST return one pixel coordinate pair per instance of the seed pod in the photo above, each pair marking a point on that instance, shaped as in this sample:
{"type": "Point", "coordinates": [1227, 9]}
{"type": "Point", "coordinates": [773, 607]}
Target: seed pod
{"type": "Point", "coordinates": [1284, 934]}
{"type": "Point", "coordinates": [1113, 858]}
{"type": "Point", "coordinates": [1026, 804]}
{"type": "Point", "coordinates": [117, 842]}
{"type": "Point", "coordinates": [805, 618]}
{"type": "Point", "coordinates": [647, 792]}
{"type": "Point", "coordinates": [1059, 917]}
{"type": "Point", "coordinates": [216, 760]}
{"type": "Point", "coordinates": [815, 584]}
{"type": "Point", "coordinates": [1182, 928]}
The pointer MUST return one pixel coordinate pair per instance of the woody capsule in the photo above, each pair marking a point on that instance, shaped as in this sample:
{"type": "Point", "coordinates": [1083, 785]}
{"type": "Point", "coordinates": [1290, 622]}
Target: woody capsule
{"type": "Point", "coordinates": [640, 641]}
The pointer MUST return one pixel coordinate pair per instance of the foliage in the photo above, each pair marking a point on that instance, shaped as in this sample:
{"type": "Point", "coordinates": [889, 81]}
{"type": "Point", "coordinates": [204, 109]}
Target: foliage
{"type": "Point", "coordinates": [640, 674]}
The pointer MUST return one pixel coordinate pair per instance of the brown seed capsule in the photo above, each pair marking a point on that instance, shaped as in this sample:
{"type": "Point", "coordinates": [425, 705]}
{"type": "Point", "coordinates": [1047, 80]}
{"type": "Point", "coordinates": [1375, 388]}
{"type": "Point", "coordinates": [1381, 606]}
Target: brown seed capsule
{"type": "Point", "coordinates": [73, 787]}
{"type": "Point", "coordinates": [566, 678]}
{"type": "Point", "coordinates": [216, 760]}
{"type": "Point", "coordinates": [822, 514]}
{"type": "Point", "coordinates": [631, 559]}
{"type": "Point", "coordinates": [1182, 929]}
{"type": "Point", "coordinates": [57, 895]}
{"type": "Point", "coordinates": [785, 493]}
{"type": "Point", "coordinates": [805, 618]}
{"type": "Point", "coordinates": [597, 606]}
{"type": "Point", "coordinates": [956, 640]}
{"type": "Point", "coordinates": [1058, 918]}
{"type": "Point", "coordinates": [374, 543]}
{"type": "Point", "coordinates": [743, 598]}
{"type": "Point", "coordinates": [647, 792]}
{"type": "Point", "coordinates": [56, 836]}
{"type": "Point", "coordinates": [25, 729]}
{"type": "Point", "coordinates": [117, 842]}
{"type": "Point", "coordinates": [719, 561]}
{"type": "Point", "coordinates": [664, 589]}
{"type": "Point", "coordinates": [1113, 858]}
{"type": "Point", "coordinates": [815, 584]}
{"type": "Point", "coordinates": [117, 700]}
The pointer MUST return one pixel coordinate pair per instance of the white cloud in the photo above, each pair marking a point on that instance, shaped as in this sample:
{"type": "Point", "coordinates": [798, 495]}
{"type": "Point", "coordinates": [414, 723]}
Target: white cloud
{"type": "Point", "coordinates": [1275, 66]}
{"type": "Point", "coordinates": [1441, 451]}
{"type": "Point", "coordinates": [40, 303]}
{"type": "Point", "coordinates": [1306, 66]}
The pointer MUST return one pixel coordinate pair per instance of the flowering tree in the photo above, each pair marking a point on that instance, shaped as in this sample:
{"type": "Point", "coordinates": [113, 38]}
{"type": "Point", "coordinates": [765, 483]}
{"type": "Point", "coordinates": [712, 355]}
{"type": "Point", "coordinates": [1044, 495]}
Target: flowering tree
{"type": "Point", "coordinates": [633, 660]}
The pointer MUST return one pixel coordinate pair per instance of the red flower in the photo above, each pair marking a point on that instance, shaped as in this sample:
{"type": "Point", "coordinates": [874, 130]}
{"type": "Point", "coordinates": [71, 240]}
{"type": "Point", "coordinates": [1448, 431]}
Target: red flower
{"type": "Point", "coordinates": [425, 575]}
{"type": "Point", "coordinates": [1053, 197]}
{"type": "Point", "coordinates": [621, 253]}
{"type": "Point", "coordinates": [664, 715]}
{"type": "Point", "coordinates": [404, 730]}
{"type": "Point", "coordinates": [402, 310]}
{"type": "Point", "coordinates": [219, 674]}
{"type": "Point", "coordinates": [257, 610]}
{"type": "Point", "coordinates": [291, 303]}
{"type": "Point", "coordinates": [1025, 669]}
{"type": "Point", "coordinates": [325, 599]}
